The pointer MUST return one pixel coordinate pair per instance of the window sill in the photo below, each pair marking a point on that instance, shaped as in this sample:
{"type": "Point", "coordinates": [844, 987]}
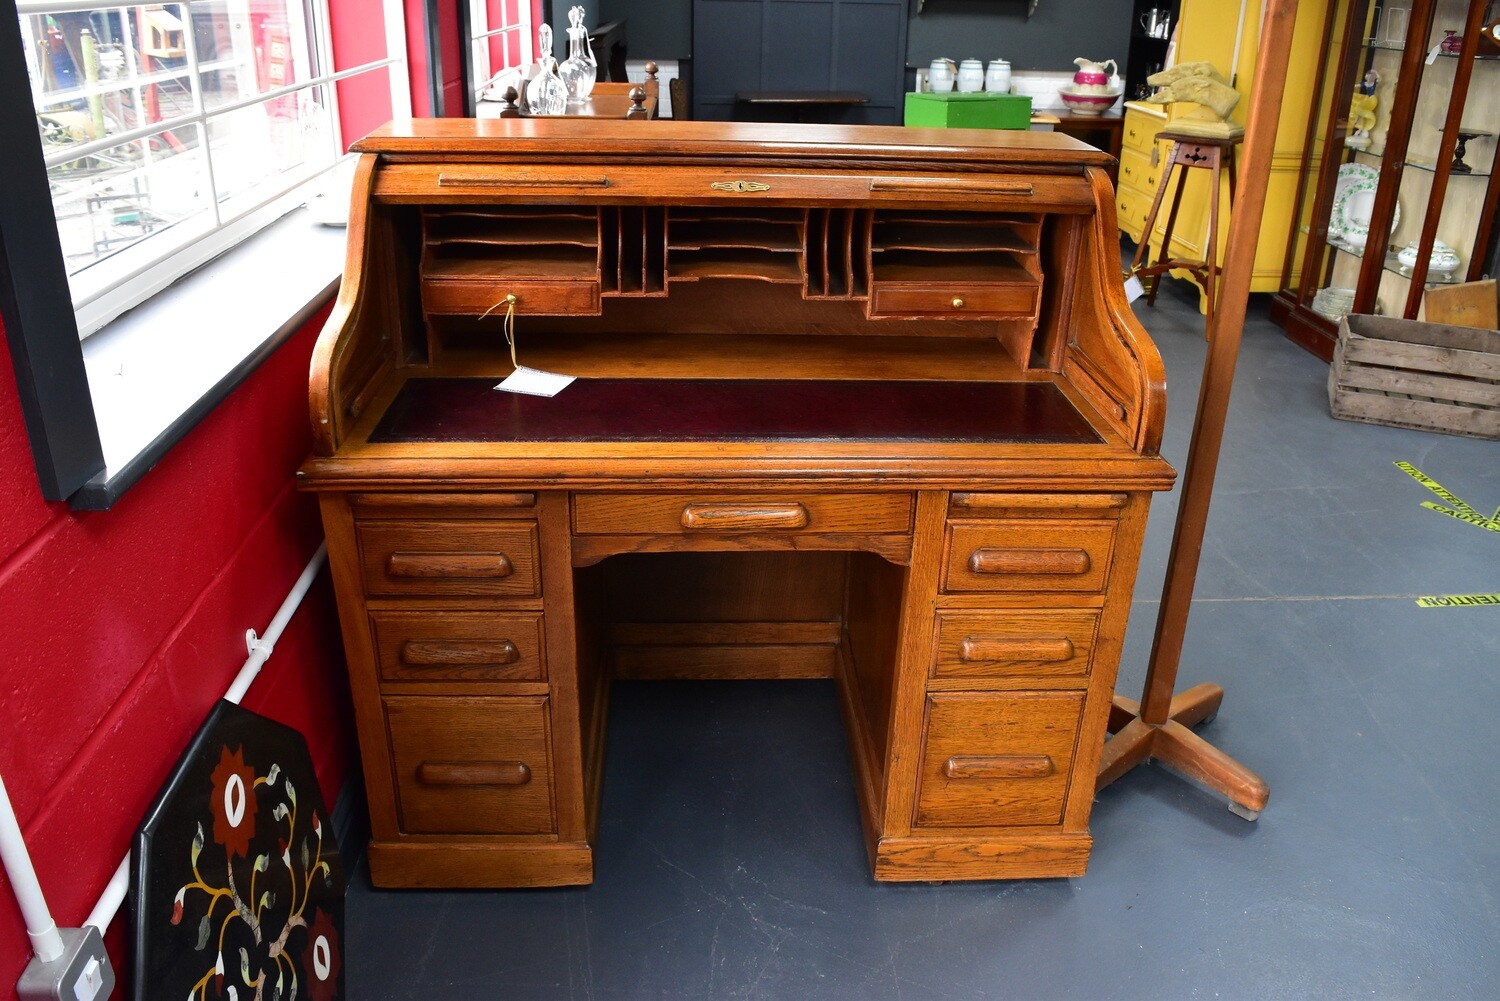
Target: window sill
{"type": "Point", "coordinates": [156, 371]}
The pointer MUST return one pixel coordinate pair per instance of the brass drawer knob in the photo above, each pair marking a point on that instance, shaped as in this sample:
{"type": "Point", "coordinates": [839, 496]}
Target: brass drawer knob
{"type": "Point", "coordinates": [958, 303]}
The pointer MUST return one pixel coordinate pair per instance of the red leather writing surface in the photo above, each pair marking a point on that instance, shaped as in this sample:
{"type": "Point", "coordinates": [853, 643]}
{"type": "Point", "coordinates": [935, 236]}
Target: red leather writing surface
{"type": "Point", "coordinates": [460, 410]}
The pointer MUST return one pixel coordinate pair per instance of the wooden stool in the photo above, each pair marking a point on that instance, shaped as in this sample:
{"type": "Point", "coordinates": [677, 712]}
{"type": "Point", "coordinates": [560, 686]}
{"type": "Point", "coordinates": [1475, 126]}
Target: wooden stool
{"type": "Point", "coordinates": [1188, 151]}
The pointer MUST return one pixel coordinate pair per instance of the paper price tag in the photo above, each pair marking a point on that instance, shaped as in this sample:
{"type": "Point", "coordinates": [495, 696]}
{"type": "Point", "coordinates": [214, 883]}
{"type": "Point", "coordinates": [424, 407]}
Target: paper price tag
{"type": "Point", "coordinates": [535, 382]}
{"type": "Point", "coordinates": [1133, 289]}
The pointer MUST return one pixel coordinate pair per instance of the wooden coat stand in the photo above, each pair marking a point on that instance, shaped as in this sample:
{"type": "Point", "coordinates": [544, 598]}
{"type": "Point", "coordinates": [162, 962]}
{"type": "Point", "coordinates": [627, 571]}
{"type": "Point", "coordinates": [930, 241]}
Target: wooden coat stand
{"type": "Point", "coordinates": [1158, 727]}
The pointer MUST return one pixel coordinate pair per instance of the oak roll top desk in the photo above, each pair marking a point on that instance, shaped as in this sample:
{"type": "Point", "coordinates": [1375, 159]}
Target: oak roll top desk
{"type": "Point", "coordinates": [856, 403]}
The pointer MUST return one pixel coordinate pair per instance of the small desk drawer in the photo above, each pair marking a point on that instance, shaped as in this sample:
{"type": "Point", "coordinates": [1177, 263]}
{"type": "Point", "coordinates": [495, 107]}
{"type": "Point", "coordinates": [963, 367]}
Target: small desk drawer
{"type": "Point", "coordinates": [471, 765]}
{"type": "Point", "coordinates": [979, 302]}
{"type": "Point", "coordinates": [462, 558]}
{"type": "Point", "coordinates": [1032, 643]}
{"type": "Point", "coordinates": [1028, 556]}
{"type": "Point", "coordinates": [459, 646]}
{"type": "Point", "coordinates": [997, 760]}
{"type": "Point", "coordinates": [671, 514]}
{"type": "Point", "coordinates": [467, 296]}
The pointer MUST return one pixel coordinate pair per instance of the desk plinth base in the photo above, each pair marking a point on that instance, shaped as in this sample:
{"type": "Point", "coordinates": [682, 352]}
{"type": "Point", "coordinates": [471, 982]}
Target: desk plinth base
{"type": "Point", "coordinates": [926, 859]}
{"type": "Point", "coordinates": [457, 864]}
{"type": "Point", "coordinates": [1174, 744]}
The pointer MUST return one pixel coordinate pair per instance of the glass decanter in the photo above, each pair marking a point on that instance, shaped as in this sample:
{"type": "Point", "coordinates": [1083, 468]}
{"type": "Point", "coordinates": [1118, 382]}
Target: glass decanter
{"type": "Point", "coordinates": [535, 87]}
{"type": "Point", "coordinates": [546, 94]}
{"type": "Point", "coordinates": [579, 69]}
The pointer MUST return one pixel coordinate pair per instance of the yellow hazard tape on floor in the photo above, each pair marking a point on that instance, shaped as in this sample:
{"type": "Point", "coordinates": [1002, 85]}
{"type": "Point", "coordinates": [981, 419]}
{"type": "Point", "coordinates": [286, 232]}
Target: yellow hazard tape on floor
{"type": "Point", "coordinates": [1457, 600]}
{"type": "Point", "coordinates": [1456, 509]}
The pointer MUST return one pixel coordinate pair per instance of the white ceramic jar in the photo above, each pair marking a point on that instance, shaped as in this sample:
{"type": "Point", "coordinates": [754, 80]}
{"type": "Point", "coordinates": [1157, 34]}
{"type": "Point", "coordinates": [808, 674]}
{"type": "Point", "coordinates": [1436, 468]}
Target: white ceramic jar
{"type": "Point", "coordinates": [970, 76]}
{"type": "Point", "coordinates": [940, 76]}
{"type": "Point", "coordinates": [997, 77]}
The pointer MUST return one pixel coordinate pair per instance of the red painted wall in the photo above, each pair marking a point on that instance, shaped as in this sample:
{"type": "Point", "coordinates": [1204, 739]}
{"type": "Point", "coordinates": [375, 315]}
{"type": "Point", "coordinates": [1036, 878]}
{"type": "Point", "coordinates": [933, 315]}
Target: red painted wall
{"type": "Point", "coordinates": [120, 630]}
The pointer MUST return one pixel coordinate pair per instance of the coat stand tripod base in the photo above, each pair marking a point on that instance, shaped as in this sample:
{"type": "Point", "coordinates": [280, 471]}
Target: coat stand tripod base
{"type": "Point", "coordinates": [1173, 743]}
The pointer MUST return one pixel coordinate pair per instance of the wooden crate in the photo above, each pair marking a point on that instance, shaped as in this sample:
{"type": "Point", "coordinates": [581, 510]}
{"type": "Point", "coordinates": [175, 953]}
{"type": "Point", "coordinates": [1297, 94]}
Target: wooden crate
{"type": "Point", "coordinates": [1428, 376]}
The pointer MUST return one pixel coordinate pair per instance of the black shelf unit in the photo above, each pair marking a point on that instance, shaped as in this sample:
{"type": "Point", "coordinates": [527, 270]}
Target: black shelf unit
{"type": "Point", "coordinates": [1146, 54]}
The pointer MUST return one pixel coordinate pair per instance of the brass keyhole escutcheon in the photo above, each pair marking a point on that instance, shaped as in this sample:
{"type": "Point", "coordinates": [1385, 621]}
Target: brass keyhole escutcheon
{"type": "Point", "coordinates": [958, 303]}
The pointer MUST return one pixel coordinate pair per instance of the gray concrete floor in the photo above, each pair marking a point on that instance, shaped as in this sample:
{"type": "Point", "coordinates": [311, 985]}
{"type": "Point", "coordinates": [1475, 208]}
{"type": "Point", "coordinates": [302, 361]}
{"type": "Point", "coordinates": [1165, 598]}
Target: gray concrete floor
{"type": "Point", "coordinates": [730, 862]}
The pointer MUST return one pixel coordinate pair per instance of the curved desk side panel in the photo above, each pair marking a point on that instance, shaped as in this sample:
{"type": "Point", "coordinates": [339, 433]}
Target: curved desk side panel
{"type": "Point", "coordinates": [355, 350]}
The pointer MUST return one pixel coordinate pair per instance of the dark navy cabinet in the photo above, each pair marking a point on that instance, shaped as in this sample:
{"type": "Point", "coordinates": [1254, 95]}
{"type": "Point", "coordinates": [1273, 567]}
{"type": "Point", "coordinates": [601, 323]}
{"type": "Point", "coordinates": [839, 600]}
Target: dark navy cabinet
{"type": "Point", "coordinates": [810, 46]}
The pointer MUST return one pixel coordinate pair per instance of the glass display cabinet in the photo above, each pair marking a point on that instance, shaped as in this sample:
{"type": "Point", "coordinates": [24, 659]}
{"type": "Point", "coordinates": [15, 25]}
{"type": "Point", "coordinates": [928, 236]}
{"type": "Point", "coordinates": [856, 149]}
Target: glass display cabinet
{"type": "Point", "coordinates": [1398, 189]}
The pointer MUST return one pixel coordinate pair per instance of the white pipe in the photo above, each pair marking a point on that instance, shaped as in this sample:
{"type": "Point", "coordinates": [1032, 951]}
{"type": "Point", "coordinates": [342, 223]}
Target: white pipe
{"type": "Point", "coordinates": [46, 942]}
{"type": "Point", "coordinates": [260, 651]}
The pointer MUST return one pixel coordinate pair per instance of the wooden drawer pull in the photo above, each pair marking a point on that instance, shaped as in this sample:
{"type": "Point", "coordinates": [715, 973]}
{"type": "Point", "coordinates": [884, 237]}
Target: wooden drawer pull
{"type": "Point", "coordinates": [937, 185]}
{"type": "Point", "coordinates": [473, 773]}
{"type": "Point", "coordinates": [485, 566]}
{"type": "Point", "coordinates": [734, 517]}
{"type": "Point", "coordinates": [462, 181]}
{"type": "Point", "coordinates": [458, 653]}
{"type": "Point", "coordinates": [447, 501]}
{"type": "Point", "coordinates": [1007, 648]}
{"type": "Point", "coordinates": [1040, 561]}
{"type": "Point", "coordinates": [999, 766]}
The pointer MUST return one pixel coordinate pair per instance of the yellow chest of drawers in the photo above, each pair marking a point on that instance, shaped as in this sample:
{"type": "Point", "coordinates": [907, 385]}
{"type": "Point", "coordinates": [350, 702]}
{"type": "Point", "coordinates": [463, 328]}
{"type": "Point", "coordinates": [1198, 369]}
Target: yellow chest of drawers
{"type": "Point", "coordinates": [1140, 166]}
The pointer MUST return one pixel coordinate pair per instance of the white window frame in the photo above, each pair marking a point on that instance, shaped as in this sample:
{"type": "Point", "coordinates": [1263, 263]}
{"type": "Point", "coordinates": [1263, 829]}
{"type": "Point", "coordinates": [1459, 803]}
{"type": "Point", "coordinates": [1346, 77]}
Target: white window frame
{"type": "Point", "coordinates": [481, 74]}
{"type": "Point", "coordinates": [137, 273]}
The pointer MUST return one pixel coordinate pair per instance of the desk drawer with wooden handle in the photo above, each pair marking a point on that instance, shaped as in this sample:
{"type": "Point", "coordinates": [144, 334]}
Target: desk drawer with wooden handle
{"type": "Point", "coordinates": [996, 760]}
{"type": "Point", "coordinates": [1020, 644]}
{"type": "Point", "coordinates": [707, 513]}
{"type": "Point", "coordinates": [471, 765]}
{"type": "Point", "coordinates": [458, 646]}
{"type": "Point", "coordinates": [457, 558]}
{"type": "Point", "coordinates": [1025, 555]}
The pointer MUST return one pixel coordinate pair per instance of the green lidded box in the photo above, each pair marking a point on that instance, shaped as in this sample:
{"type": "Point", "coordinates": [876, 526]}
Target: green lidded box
{"type": "Point", "coordinates": [968, 111]}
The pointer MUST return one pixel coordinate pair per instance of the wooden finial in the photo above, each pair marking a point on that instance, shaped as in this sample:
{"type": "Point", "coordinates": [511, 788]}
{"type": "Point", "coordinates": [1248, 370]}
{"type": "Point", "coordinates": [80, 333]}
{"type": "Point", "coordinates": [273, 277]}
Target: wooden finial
{"type": "Point", "coordinates": [510, 108]}
{"type": "Point", "coordinates": [637, 104]}
{"type": "Point", "coordinates": [651, 70]}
